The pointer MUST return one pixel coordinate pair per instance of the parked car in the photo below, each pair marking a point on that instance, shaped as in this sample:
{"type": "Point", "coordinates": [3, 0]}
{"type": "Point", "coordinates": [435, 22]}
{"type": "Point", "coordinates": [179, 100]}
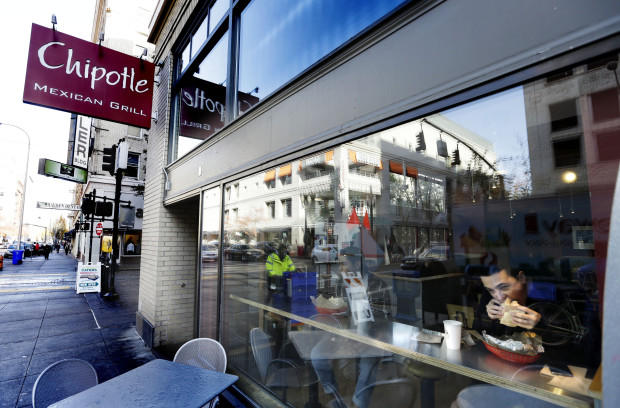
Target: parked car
{"type": "Point", "coordinates": [324, 253]}
{"type": "Point", "coordinates": [209, 253]}
{"type": "Point", "coordinates": [268, 247]}
{"type": "Point", "coordinates": [244, 252]}
{"type": "Point", "coordinates": [8, 252]}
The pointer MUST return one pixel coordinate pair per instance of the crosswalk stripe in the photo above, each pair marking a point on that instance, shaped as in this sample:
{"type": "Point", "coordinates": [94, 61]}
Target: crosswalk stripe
{"type": "Point", "coordinates": [39, 288]}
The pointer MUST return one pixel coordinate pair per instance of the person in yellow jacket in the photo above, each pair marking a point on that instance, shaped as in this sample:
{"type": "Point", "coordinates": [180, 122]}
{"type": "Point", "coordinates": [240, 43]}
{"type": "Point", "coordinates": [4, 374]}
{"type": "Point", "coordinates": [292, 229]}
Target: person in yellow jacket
{"type": "Point", "coordinates": [277, 263]}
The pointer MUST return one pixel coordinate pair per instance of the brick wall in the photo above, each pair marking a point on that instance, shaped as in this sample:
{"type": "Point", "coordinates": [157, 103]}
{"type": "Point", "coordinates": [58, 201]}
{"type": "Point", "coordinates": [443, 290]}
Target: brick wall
{"type": "Point", "coordinates": [169, 239]}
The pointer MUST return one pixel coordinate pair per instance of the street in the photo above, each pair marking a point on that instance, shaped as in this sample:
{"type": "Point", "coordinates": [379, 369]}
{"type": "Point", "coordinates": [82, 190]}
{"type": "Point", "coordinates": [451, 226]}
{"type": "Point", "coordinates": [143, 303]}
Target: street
{"type": "Point", "coordinates": [42, 321]}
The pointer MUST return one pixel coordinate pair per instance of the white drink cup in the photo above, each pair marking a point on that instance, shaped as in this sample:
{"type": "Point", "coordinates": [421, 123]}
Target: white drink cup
{"type": "Point", "coordinates": [452, 334]}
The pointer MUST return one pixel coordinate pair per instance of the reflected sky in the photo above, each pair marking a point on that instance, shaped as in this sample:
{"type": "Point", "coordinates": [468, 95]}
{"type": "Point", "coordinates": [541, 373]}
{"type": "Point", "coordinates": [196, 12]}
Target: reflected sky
{"type": "Point", "coordinates": [501, 120]}
{"type": "Point", "coordinates": [274, 30]}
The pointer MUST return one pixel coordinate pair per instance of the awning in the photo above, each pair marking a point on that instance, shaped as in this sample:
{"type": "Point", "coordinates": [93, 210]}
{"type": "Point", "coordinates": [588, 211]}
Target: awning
{"type": "Point", "coordinates": [412, 171]}
{"type": "Point", "coordinates": [365, 158]}
{"type": "Point", "coordinates": [325, 158]}
{"type": "Point", "coordinates": [396, 167]}
{"type": "Point", "coordinates": [270, 175]}
{"type": "Point", "coordinates": [285, 170]}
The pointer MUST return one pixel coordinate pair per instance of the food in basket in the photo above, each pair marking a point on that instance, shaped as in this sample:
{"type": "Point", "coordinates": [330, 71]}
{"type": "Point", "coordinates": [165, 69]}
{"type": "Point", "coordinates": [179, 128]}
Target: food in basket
{"type": "Point", "coordinates": [329, 306]}
{"type": "Point", "coordinates": [524, 343]}
{"type": "Point", "coordinates": [509, 309]}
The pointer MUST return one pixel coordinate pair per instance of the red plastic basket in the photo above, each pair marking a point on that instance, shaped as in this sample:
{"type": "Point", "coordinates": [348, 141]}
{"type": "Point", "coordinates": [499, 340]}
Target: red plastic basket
{"type": "Point", "coordinates": [323, 310]}
{"type": "Point", "coordinates": [512, 355]}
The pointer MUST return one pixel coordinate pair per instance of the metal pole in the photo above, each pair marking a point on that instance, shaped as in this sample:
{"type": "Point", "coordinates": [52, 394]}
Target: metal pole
{"type": "Point", "coordinates": [115, 248]}
{"type": "Point", "coordinates": [92, 224]}
{"type": "Point", "coordinates": [21, 218]}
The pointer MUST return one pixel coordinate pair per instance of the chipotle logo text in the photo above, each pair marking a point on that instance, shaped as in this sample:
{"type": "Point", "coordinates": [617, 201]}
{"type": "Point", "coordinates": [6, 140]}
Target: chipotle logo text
{"type": "Point", "coordinates": [74, 75]}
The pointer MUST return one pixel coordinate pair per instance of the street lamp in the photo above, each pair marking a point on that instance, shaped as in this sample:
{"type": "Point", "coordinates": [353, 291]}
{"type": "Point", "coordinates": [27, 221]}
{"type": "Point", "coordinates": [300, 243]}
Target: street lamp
{"type": "Point", "coordinates": [21, 218]}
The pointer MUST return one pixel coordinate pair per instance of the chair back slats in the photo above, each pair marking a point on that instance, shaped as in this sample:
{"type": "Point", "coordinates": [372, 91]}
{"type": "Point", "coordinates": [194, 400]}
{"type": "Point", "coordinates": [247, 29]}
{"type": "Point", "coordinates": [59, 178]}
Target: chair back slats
{"type": "Point", "coordinates": [261, 348]}
{"type": "Point", "coordinates": [202, 352]}
{"type": "Point", "coordinates": [61, 380]}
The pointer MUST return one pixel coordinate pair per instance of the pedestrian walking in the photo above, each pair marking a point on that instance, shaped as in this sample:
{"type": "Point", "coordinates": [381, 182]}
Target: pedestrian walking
{"type": "Point", "coordinates": [47, 248]}
{"type": "Point", "coordinates": [57, 247]}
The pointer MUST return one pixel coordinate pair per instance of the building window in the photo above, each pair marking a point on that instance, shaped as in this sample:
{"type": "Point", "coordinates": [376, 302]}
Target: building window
{"type": "Point", "coordinates": [134, 132]}
{"type": "Point", "coordinates": [605, 105]}
{"type": "Point", "coordinates": [499, 217]}
{"type": "Point", "coordinates": [286, 180]}
{"type": "Point", "coordinates": [287, 207]}
{"type": "Point", "coordinates": [316, 24]}
{"type": "Point", "coordinates": [271, 209]}
{"type": "Point", "coordinates": [133, 165]}
{"type": "Point", "coordinates": [235, 193]}
{"type": "Point", "coordinates": [559, 75]}
{"type": "Point", "coordinates": [563, 115]}
{"type": "Point", "coordinates": [201, 100]}
{"type": "Point", "coordinates": [567, 152]}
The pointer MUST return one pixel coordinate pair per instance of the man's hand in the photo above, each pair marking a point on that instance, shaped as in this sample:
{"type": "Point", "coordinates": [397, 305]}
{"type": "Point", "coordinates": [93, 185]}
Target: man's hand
{"type": "Point", "coordinates": [494, 309]}
{"type": "Point", "coordinates": [525, 317]}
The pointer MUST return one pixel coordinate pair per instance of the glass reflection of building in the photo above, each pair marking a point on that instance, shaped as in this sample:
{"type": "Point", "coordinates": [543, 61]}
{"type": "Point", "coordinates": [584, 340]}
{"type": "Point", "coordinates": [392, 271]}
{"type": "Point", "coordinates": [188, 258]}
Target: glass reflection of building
{"type": "Point", "coordinates": [423, 166]}
{"type": "Point", "coordinates": [390, 183]}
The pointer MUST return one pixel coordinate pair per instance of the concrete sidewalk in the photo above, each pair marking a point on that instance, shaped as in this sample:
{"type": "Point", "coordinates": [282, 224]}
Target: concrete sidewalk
{"type": "Point", "coordinates": [42, 321]}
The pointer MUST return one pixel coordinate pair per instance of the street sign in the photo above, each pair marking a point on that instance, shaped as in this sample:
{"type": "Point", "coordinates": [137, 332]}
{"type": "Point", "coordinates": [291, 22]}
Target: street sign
{"type": "Point", "coordinates": [58, 206]}
{"type": "Point", "coordinates": [99, 229]}
{"type": "Point", "coordinates": [63, 171]}
{"type": "Point", "coordinates": [88, 277]}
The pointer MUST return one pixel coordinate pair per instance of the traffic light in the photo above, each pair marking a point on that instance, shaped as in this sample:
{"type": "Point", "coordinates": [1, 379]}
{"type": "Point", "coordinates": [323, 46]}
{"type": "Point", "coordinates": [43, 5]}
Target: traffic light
{"type": "Point", "coordinates": [88, 206]}
{"type": "Point", "coordinates": [104, 208]}
{"type": "Point", "coordinates": [122, 152]}
{"type": "Point", "coordinates": [109, 160]}
{"type": "Point", "coordinates": [442, 148]}
{"type": "Point", "coordinates": [456, 157]}
{"type": "Point", "coordinates": [421, 143]}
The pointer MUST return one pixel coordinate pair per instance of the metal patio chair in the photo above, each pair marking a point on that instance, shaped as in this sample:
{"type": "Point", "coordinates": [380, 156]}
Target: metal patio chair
{"type": "Point", "coordinates": [62, 379]}
{"type": "Point", "coordinates": [204, 353]}
{"type": "Point", "coordinates": [278, 373]}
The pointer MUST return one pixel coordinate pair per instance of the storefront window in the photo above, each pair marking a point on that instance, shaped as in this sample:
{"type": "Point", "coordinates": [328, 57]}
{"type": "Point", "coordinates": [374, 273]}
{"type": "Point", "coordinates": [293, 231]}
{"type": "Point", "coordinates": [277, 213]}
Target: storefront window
{"type": "Point", "coordinates": [314, 28]}
{"type": "Point", "coordinates": [216, 12]}
{"type": "Point", "coordinates": [201, 100]}
{"type": "Point", "coordinates": [209, 257]}
{"type": "Point", "coordinates": [464, 215]}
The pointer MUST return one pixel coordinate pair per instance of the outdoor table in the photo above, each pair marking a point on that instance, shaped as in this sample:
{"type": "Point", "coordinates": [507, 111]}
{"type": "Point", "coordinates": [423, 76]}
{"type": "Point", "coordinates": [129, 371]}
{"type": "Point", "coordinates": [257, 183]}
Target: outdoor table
{"type": "Point", "coordinates": [158, 383]}
{"type": "Point", "coordinates": [471, 361]}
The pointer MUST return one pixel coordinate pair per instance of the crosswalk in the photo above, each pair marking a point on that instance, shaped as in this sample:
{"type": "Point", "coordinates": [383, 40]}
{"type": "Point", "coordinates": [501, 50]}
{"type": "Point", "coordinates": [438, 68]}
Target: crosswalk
{"type": "Point", "coordinates": [37, 274]}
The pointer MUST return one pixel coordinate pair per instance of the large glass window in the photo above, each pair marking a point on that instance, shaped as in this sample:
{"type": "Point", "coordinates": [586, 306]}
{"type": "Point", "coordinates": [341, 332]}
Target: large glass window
{"type": "Point", "coordinates": [201, 100]}
{"type": "Point", "coordinates": [209, 257]}
{"type": "Point", "coordinates": [272, 31]}
{"type": "Point", "coordinates": [461, 220]}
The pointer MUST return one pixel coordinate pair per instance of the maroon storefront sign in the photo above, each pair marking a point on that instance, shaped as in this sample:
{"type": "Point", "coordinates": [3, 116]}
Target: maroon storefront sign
{"type": "Point", "coordinates": [203, 108]}
{"type": "Point", "coordinates": [74, 75]}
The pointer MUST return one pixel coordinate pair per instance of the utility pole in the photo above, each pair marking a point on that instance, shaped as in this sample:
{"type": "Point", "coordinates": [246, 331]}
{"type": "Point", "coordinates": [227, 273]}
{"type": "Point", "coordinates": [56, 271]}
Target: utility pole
{"type": "Point", "coordinates": [92, 227]}
{"type": "Point", "coordinates": [120, 164]}
{"type": "Point", "coordinates": [115, 248]}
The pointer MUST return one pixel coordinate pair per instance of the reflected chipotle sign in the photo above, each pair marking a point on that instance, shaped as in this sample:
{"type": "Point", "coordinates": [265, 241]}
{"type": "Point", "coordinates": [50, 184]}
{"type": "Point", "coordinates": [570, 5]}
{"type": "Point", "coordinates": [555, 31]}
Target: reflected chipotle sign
{"type": "Point", "coordinates": [203, 107]}
{"type": "Point", "coordinates": [74, 75]}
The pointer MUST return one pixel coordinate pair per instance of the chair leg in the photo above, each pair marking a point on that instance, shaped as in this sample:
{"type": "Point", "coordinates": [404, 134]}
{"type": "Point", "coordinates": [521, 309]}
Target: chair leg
{"type": "Point", "coordinates": [427, 393]}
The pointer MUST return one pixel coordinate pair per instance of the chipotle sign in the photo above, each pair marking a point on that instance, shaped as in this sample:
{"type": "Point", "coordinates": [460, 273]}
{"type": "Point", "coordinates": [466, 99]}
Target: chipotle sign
{"type": "Point", "coordinates": [74, 75]}
{"type": "Point", "coordinates": [203, 107]}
